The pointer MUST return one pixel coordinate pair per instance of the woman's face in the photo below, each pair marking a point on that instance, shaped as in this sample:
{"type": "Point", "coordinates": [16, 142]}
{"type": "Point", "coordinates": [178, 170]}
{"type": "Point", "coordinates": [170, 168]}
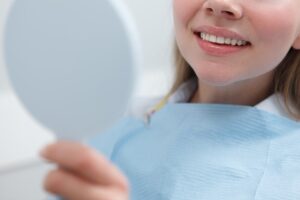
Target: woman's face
{"type": "Point", "coordinates": [256, 36]}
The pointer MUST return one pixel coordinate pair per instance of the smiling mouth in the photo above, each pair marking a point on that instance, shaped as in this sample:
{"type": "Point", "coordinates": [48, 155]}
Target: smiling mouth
{"type": "Point", "coordinates": [222, 41]}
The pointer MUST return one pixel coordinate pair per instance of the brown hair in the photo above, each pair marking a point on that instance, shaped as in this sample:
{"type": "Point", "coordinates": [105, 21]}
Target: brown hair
{"type": "Point", "coordinates": [286, 79]}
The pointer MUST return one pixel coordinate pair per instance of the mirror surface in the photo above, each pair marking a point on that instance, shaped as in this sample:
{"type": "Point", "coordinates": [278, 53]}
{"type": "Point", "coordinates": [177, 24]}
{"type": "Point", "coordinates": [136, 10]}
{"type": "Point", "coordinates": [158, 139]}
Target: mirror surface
{"type": "Point", "coordinates": [72, 64]}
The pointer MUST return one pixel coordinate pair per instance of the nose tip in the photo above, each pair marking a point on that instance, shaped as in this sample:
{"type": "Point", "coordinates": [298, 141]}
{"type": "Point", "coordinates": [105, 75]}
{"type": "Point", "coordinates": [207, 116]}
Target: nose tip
{"type": "Point", "coordinates": [223, 8]}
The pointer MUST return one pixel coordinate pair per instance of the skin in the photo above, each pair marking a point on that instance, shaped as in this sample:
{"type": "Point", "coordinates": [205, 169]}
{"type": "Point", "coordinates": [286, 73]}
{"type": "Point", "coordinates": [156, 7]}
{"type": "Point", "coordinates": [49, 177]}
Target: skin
{"type": "Point", "coordinates": [83, 173]}
{"type": "Point", "coordinates": [272, 27]}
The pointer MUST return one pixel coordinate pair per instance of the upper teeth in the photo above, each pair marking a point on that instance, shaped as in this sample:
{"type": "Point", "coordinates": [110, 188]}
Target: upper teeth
{"type": "Point", "coordinates": [222, 40]}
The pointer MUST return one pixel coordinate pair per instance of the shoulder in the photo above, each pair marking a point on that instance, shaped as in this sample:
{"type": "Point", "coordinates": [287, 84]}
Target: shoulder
{"type": "Point", "coordinates": [275, 104]}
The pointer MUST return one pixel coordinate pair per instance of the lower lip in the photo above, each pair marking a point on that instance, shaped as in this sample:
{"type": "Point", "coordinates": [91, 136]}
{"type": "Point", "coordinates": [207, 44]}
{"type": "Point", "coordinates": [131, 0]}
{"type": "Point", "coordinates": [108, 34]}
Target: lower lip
{"type": "Point", "coordinates": [219, 50]}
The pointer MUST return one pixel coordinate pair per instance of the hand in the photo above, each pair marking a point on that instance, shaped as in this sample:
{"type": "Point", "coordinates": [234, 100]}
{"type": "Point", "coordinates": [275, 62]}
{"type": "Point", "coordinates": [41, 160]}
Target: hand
{"type": "Point", "coordinates": [83, 174]}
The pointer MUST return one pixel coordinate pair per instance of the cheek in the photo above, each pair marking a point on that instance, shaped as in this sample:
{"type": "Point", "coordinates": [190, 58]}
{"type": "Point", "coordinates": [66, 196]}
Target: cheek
{"type": "Point", "coordinates": [273, 33]}
{"type": "Point", "coordinates": [274, 26]}
{"type": "Point", "coordinates": [184, 10]}
{"type": "Point", "coordinates": [179, 14]}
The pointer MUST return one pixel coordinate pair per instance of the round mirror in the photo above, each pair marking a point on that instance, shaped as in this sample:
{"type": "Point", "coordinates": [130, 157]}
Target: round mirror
{"type": "Point", "coordinates": [72, 64]}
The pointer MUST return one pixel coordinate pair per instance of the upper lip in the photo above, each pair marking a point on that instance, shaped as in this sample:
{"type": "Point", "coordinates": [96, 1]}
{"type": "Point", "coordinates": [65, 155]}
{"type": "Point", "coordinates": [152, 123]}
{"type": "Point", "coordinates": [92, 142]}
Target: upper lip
{"type": "Point", "coordinates": [219, 31]}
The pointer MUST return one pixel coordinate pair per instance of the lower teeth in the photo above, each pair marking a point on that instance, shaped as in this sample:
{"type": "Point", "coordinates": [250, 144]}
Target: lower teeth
{"type": "Point", "coordinates": [225, 44]}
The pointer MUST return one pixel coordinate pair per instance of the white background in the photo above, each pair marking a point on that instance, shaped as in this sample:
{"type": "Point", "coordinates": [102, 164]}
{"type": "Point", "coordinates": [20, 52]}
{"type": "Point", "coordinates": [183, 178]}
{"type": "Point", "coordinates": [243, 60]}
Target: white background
{"type": "Point", "coordinates": [20, 142]}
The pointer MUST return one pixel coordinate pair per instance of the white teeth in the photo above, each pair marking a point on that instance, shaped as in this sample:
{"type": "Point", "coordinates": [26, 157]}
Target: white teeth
{"type": "Point", "coordinates": [207, 37]}
{"type": "Point", "coordinates": [222, 40]}
{"type": "Point", "coordinates": [227, 41]}
{"type": "Point", "coordinates": [233, 42]}
{"type": "Point", "coordinates": [202, 35]}
{"type": "Point", "coordinates": [213, 38]}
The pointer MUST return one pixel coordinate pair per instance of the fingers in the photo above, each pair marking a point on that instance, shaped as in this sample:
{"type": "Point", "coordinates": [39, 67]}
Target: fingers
{"type": "Point", "coordinates": [85, 162]}
{"type": "Point", "coordinates": [69, 186]}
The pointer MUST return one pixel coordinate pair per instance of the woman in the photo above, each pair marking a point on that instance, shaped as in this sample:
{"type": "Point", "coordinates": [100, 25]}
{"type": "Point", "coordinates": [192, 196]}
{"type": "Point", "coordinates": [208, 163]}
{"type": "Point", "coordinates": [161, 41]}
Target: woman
{"type": "Point", "coordinates": [242, 53]}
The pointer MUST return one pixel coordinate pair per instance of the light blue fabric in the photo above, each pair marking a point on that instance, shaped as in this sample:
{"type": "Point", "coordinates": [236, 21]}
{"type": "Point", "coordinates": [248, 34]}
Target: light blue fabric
{"type": "Point", "coordinates": [207, 152]}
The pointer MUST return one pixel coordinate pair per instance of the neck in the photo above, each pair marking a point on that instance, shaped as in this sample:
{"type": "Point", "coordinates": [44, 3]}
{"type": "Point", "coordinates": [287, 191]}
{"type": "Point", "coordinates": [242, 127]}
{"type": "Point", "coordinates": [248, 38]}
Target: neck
{"type": "Point", "coordinates": [247, 92]}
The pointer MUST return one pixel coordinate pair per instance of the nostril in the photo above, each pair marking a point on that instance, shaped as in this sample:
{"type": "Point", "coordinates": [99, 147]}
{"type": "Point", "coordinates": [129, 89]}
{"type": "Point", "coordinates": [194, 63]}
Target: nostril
{"type": "Point", "coordinates": [228, 13]}
{"type": "Point", "coordinates": [220, 12]}
{"type": "Point", "coordinates": [209, 9]}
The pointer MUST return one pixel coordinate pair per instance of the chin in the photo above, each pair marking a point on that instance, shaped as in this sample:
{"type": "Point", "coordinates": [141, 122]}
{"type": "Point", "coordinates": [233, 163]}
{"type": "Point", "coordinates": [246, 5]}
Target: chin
{"type": "Point", "coordinates": [216, 78]}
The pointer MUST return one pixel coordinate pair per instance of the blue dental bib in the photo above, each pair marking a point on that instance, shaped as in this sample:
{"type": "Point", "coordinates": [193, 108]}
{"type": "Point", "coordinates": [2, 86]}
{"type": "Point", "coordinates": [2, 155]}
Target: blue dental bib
{"type": "Point", "coordinates": [207, 152]}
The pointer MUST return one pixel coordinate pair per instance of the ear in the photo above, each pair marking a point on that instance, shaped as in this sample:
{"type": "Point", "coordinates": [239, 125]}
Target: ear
{"type": "Point", "coordinates": [296, 44]}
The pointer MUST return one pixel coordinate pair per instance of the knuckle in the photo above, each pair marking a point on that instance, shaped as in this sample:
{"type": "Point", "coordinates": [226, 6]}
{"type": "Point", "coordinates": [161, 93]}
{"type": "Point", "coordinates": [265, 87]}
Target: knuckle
{"type": "Point", "coordinates": [116, 194]}
{"type": "Point", "coordinates": [123, 182]}
{"type": "Point", "coordinates": [125, 185]}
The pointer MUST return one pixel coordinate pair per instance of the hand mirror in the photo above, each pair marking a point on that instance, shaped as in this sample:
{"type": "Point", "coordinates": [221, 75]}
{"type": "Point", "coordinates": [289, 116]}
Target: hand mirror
{"type": "Point", "coordinates": [72, 64]}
